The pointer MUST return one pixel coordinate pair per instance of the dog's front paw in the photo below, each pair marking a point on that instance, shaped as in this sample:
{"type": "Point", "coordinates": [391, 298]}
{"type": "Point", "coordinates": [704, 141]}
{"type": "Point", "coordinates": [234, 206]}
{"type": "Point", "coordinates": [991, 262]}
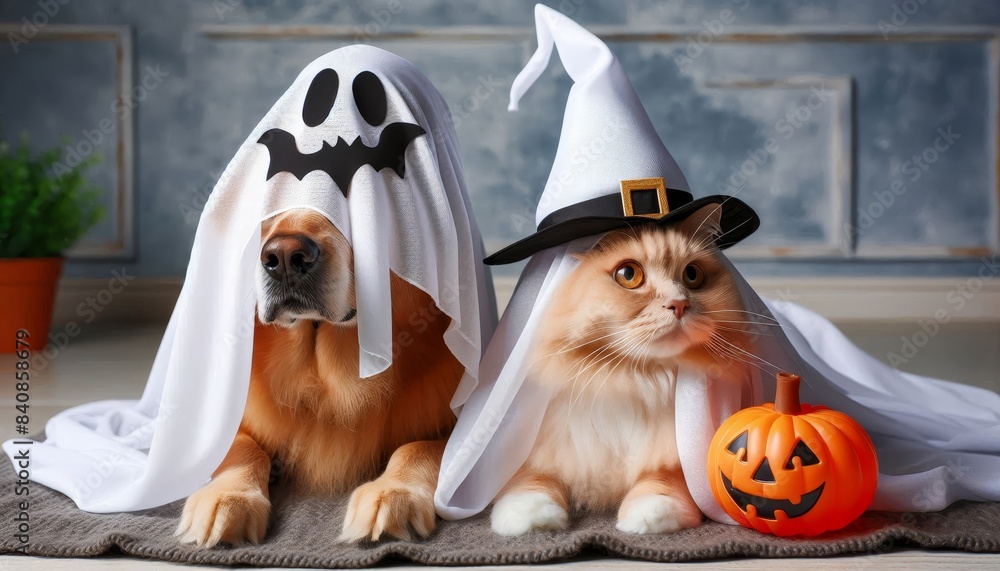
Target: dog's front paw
{"type": "Point", "coordinates": [387, 506]}
{"type": "Point", "coordinates": [221, 512]}
{"type": "Point", "coordinates": [656, 513]}
{"type": "Point", "coordinates": [518, 513]}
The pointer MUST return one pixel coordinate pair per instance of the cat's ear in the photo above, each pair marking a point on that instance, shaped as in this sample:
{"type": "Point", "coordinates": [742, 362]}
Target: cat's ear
{"type": "Point", "coordinates": [704, 222]}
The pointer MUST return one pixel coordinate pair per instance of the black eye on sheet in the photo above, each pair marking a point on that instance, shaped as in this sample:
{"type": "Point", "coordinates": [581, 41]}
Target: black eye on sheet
{"type": "Point", "coordinates": [369, 96]}
{"type": "Point", "coordinates": [320, 97]}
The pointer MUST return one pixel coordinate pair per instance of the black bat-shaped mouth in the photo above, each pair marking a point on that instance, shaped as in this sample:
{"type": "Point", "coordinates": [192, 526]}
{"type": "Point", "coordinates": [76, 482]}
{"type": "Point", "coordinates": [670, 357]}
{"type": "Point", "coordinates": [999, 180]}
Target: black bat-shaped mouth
{"type": "Point", "coordinates": [766, 507]}
{"type": "Point", "coordinates": [341, 160]}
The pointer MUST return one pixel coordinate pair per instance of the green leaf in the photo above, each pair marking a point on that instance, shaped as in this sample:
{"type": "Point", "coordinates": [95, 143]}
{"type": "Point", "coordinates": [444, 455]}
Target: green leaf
{"type": "Point", "coordinates": [45, 205]}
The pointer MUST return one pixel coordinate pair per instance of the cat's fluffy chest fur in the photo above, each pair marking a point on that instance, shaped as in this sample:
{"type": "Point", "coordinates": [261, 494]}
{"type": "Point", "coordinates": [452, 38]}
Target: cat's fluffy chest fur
{"type": "Point", "coordinates": [600, 444]}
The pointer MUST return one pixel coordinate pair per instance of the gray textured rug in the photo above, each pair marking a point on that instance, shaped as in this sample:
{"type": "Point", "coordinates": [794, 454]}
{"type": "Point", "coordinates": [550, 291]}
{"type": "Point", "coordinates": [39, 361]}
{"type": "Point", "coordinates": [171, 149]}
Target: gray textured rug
{"type": "Point", "coordinates": [303, 532]}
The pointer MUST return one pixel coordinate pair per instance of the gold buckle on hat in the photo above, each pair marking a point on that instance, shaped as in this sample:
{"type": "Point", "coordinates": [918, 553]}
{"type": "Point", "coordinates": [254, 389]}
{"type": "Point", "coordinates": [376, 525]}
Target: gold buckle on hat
{"type": "Point", "coordinates": [645, 184]}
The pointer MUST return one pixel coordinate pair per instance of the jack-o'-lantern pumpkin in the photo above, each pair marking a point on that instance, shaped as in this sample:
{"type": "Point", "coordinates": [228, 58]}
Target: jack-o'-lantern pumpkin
{"type": "Point", "coordinates": [792, 469]}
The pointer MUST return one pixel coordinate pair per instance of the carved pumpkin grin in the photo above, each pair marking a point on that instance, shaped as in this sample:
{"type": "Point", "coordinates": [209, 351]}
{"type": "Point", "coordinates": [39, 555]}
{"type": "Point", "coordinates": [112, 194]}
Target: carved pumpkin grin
{"type": "Point", "coordinates": [765, 508]}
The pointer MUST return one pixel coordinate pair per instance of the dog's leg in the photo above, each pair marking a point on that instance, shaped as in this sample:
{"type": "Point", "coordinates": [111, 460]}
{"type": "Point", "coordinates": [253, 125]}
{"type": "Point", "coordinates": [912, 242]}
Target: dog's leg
{"type": "Point", "coordinates": [658, 503]}
{"type": "Point", "coordinates": [400, 502]}
{"type": "Point", "coordinates": [235, 505]}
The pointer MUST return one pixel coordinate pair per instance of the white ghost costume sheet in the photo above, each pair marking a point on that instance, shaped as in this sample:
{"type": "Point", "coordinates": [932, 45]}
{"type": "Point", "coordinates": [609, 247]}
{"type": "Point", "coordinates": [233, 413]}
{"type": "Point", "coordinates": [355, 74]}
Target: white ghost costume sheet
{"type": "Point", "coordinates": [411, 215]}
{"type": "Point", "coordinates": [938, 442]}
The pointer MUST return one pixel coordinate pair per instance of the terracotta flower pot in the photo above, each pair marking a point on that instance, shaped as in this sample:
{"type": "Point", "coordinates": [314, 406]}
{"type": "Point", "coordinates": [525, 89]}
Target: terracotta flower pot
{"type": "Point", "coordinates": [28, 291]}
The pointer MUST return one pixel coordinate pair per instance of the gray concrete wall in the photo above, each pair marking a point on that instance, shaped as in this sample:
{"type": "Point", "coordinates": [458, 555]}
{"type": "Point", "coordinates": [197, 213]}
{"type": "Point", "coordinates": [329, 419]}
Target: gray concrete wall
{"type": "Point", "coordinates": [845, 94]}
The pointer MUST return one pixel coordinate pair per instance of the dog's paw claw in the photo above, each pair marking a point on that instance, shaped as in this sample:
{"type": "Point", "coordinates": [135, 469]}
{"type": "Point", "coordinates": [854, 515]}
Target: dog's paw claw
{"type": "Point", "coordinates": [214, 514]}
{"type": "Point", "coordinates": [387, 507]}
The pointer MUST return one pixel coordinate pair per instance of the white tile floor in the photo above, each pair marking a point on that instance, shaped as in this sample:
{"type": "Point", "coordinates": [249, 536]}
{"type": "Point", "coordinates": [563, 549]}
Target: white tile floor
{"type": "Point", "coordinates": [113, 362]}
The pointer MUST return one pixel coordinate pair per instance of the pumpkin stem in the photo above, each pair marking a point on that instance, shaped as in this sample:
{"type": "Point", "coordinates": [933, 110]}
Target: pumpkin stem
{"type": "Point", "coordinates": [786, 397]}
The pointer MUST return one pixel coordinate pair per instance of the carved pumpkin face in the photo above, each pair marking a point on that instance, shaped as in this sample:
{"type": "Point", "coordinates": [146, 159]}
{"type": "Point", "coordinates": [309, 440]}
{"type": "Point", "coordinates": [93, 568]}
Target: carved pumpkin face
{"type": "Point", "coordinates": [803, 471]}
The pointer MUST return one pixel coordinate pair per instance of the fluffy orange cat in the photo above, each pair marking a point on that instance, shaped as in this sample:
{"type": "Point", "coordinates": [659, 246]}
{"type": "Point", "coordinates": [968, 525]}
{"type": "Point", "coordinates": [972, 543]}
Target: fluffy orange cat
{"type": "Point", "coordinates": [641, 301]}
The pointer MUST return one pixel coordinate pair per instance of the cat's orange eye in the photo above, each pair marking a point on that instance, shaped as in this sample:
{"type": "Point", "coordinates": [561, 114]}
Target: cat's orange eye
{"type": "Point", "coordinates": [693, 276]}
{"type": "Point", "coordinates": [629, 275]}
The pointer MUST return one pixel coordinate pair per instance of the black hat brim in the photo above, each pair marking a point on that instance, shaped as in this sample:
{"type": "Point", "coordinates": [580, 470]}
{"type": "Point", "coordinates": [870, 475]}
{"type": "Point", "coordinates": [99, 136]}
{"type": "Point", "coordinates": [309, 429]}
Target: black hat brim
{"type": "Point", "coordinates": [737, 221]}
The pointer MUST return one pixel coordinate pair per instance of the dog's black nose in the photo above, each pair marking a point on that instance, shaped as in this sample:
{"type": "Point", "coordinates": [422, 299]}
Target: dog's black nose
{"type": "Point", "coordinates": [288, 255]}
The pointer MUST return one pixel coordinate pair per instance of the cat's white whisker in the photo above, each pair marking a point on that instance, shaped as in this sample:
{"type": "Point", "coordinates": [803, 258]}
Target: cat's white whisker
{"type": "Point", "coordinates": [732, 330]}
{"type": "Point", "coordinates": [723, 235]}
{"type": "Point", "coordinates": [617, 350]}
{"type": "Point", "coordinates": [760, 315]}
{"type": "Point", "coordinates": [560, 351]}
{"type": "Point", "coordinates": [607, 377]}
{"type": "Point", "coordinates": [707, 219]}
{"type": "Point", "coordinates": [637, 363]}
{"type": "Point", "coordinates": [729, 356]}
{"type": "Point", "coordinates": [775, 368]}
{"type": "Point", "coordinates": [614, 363]}
{"type": "Point", "coordinates": [592, 359]}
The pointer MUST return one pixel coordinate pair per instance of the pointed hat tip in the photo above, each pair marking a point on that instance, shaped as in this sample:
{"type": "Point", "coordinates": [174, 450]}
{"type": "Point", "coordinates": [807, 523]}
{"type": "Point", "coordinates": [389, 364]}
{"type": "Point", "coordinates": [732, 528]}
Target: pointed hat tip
{"type": "Point", "coordinates": [542, 9]}
{"type": "Point", "coordinates": [584, 55]}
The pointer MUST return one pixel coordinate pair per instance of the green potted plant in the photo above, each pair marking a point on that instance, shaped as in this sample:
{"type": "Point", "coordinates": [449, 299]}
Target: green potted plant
{"type": "Point", "coordinates": [45, 207]}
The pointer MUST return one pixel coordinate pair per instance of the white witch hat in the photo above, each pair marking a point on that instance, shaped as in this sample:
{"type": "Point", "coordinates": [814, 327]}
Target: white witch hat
{"type": "Point", "coordinates": [363, 138]}
{"type": "Point", "coordinates": [611, 169]}
{"type": "Point", "coordinates": [937, 442]}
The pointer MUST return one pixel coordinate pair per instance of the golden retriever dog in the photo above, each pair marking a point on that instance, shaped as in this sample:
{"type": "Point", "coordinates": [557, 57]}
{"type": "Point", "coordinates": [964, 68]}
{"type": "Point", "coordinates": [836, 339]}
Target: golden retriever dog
{"type": "Point", "coordinates": [309, 412]}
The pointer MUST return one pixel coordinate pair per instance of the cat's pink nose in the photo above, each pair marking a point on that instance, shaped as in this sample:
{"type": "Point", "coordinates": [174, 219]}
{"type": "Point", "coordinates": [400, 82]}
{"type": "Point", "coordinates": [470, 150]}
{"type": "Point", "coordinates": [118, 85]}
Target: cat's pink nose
{"type": "Point", "coordinates": [677, 306]}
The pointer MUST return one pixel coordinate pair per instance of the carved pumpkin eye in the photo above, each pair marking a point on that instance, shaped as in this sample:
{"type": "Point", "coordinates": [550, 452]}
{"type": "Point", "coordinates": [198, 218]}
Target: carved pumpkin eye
{"type": "Point", "coordinates": [629, 275]}
{"type": "Point", "coordinates": [804, 453]}
{"type": "Point", "coordinates": [693, 276]}
{"type": "Point", "coordinates": [738, 443]}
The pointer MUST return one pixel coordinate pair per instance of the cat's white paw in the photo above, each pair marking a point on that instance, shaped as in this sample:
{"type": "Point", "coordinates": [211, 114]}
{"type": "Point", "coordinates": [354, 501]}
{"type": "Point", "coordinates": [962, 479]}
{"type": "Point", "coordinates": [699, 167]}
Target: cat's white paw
{"type": "Point", "coordinates": [655, 513]}
{"type": "Point", "coordinates": [518, 513]}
